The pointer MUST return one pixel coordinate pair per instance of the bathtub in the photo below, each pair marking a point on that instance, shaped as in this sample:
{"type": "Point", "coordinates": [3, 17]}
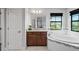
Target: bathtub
{"type": "Point", "coordinates": [61, 41]}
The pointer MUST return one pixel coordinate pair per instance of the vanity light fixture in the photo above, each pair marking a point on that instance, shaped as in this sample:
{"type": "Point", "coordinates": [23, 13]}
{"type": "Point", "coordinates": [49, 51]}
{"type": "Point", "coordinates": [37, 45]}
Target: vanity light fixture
{"type": "Point", "coordinates": [36, 11]}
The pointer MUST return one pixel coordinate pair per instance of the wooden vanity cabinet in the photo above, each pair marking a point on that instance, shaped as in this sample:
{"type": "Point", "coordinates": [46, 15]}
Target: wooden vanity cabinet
{"type": "Point", "coordinates": [36, 38]}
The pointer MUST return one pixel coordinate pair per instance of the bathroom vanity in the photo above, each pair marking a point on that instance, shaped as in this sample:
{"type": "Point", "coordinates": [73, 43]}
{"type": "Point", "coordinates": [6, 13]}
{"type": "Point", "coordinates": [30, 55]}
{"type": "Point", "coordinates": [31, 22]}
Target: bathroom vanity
{"type": "Point", "coordinates": [36, 38]}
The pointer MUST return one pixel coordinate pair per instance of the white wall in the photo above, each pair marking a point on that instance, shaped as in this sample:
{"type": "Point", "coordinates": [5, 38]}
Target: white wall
{"type": "Point", "coordinates": [27, 18]}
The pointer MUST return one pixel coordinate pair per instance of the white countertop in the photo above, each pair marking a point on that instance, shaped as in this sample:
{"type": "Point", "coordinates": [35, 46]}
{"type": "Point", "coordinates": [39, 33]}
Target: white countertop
{"type": "Point", "coordinates": [36, 30]}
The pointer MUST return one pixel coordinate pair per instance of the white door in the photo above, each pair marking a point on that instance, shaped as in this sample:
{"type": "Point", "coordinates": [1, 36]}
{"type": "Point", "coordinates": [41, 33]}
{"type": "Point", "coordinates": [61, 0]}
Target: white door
{"type": "Point", "coordinates": [14, 28]}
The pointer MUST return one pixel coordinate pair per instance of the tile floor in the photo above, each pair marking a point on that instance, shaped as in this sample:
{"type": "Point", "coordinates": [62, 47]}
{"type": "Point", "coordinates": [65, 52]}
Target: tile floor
{"type": "Point", "coordinates": [37, 48]}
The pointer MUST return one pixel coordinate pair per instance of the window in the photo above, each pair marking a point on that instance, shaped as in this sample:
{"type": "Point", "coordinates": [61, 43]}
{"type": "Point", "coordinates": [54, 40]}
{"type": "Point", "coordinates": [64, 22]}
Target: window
{"type": "Point", "coordinates": [75, 20]}
{"type": "Point", "coordinates": [56, 21]}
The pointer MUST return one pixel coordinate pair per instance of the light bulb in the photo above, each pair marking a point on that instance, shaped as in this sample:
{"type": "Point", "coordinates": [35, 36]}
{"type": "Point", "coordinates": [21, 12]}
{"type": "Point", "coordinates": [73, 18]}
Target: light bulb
{"type": "Point", "coordinates": [36, 11]}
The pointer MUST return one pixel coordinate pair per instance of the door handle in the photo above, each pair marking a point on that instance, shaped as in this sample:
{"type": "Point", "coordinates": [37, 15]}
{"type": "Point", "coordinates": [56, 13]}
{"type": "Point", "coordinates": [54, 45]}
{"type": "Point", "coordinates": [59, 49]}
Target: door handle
{"type": "Point", "coordinates": [19, 31]}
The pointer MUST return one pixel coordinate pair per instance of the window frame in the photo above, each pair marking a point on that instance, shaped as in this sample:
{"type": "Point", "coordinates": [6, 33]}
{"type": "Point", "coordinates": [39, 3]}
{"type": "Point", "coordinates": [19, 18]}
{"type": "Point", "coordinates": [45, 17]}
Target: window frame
{"type": "Point", "coordinates": [55, 22]}
{"type": "Point", "coordinates": [74, 21]}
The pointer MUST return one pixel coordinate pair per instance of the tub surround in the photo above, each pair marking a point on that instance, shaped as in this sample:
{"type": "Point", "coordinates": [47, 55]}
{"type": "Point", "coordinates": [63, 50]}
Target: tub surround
{"type": "Point", "coordinates": [76, 45]}
{"type": "Point", "coordinates": [65, 40]}
{"type": "Point", "coordinates": [59, 46]}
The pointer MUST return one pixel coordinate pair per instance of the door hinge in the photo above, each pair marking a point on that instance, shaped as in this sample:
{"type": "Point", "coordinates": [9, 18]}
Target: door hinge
{"type": "Point", "coordinates": [0, 13]}
{"type": "Point", "coordinates": [0, 28]}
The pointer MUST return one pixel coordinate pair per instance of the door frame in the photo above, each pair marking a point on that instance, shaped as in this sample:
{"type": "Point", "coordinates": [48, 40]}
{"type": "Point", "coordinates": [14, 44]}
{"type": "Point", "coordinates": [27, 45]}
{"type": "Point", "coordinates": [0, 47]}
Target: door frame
{"type": "Point", "coordinates": [3, 29]}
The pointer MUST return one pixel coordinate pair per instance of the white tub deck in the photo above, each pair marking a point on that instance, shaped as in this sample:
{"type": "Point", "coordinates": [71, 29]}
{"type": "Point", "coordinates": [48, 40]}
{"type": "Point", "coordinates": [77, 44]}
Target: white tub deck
{"type": "Point", "coordinates": [63, 43]}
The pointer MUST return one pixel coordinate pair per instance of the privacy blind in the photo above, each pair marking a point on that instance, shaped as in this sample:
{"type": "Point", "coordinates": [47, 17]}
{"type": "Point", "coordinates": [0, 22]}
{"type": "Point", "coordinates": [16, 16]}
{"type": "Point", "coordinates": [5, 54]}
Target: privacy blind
{"type": "Point", "coordinates": [56, 14]}
{"type": "Point", "coordinates": [74, 11]}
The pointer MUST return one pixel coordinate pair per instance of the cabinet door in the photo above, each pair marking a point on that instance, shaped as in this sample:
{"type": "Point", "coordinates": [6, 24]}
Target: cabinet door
{"type": "Point", "coordinates": [43, 39]}
{"type": "Point", "coordinates": [38, 37]}
{"type": "Point", "coordinates": [31, 39]}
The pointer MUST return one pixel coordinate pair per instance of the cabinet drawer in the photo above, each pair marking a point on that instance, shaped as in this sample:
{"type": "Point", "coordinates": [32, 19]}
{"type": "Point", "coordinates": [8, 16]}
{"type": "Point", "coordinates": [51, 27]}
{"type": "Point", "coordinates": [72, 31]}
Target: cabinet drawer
{"type": "Point", "coordinates": [43, 33]}
{"type": "Point", "coordinates": [31, 42]}
{"type": "Point", "coordinates": [44, 38]}
{"type": "Point", "coordinates": [42, 42]}
{"type": "Point", "coordinates": [30, 33]}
